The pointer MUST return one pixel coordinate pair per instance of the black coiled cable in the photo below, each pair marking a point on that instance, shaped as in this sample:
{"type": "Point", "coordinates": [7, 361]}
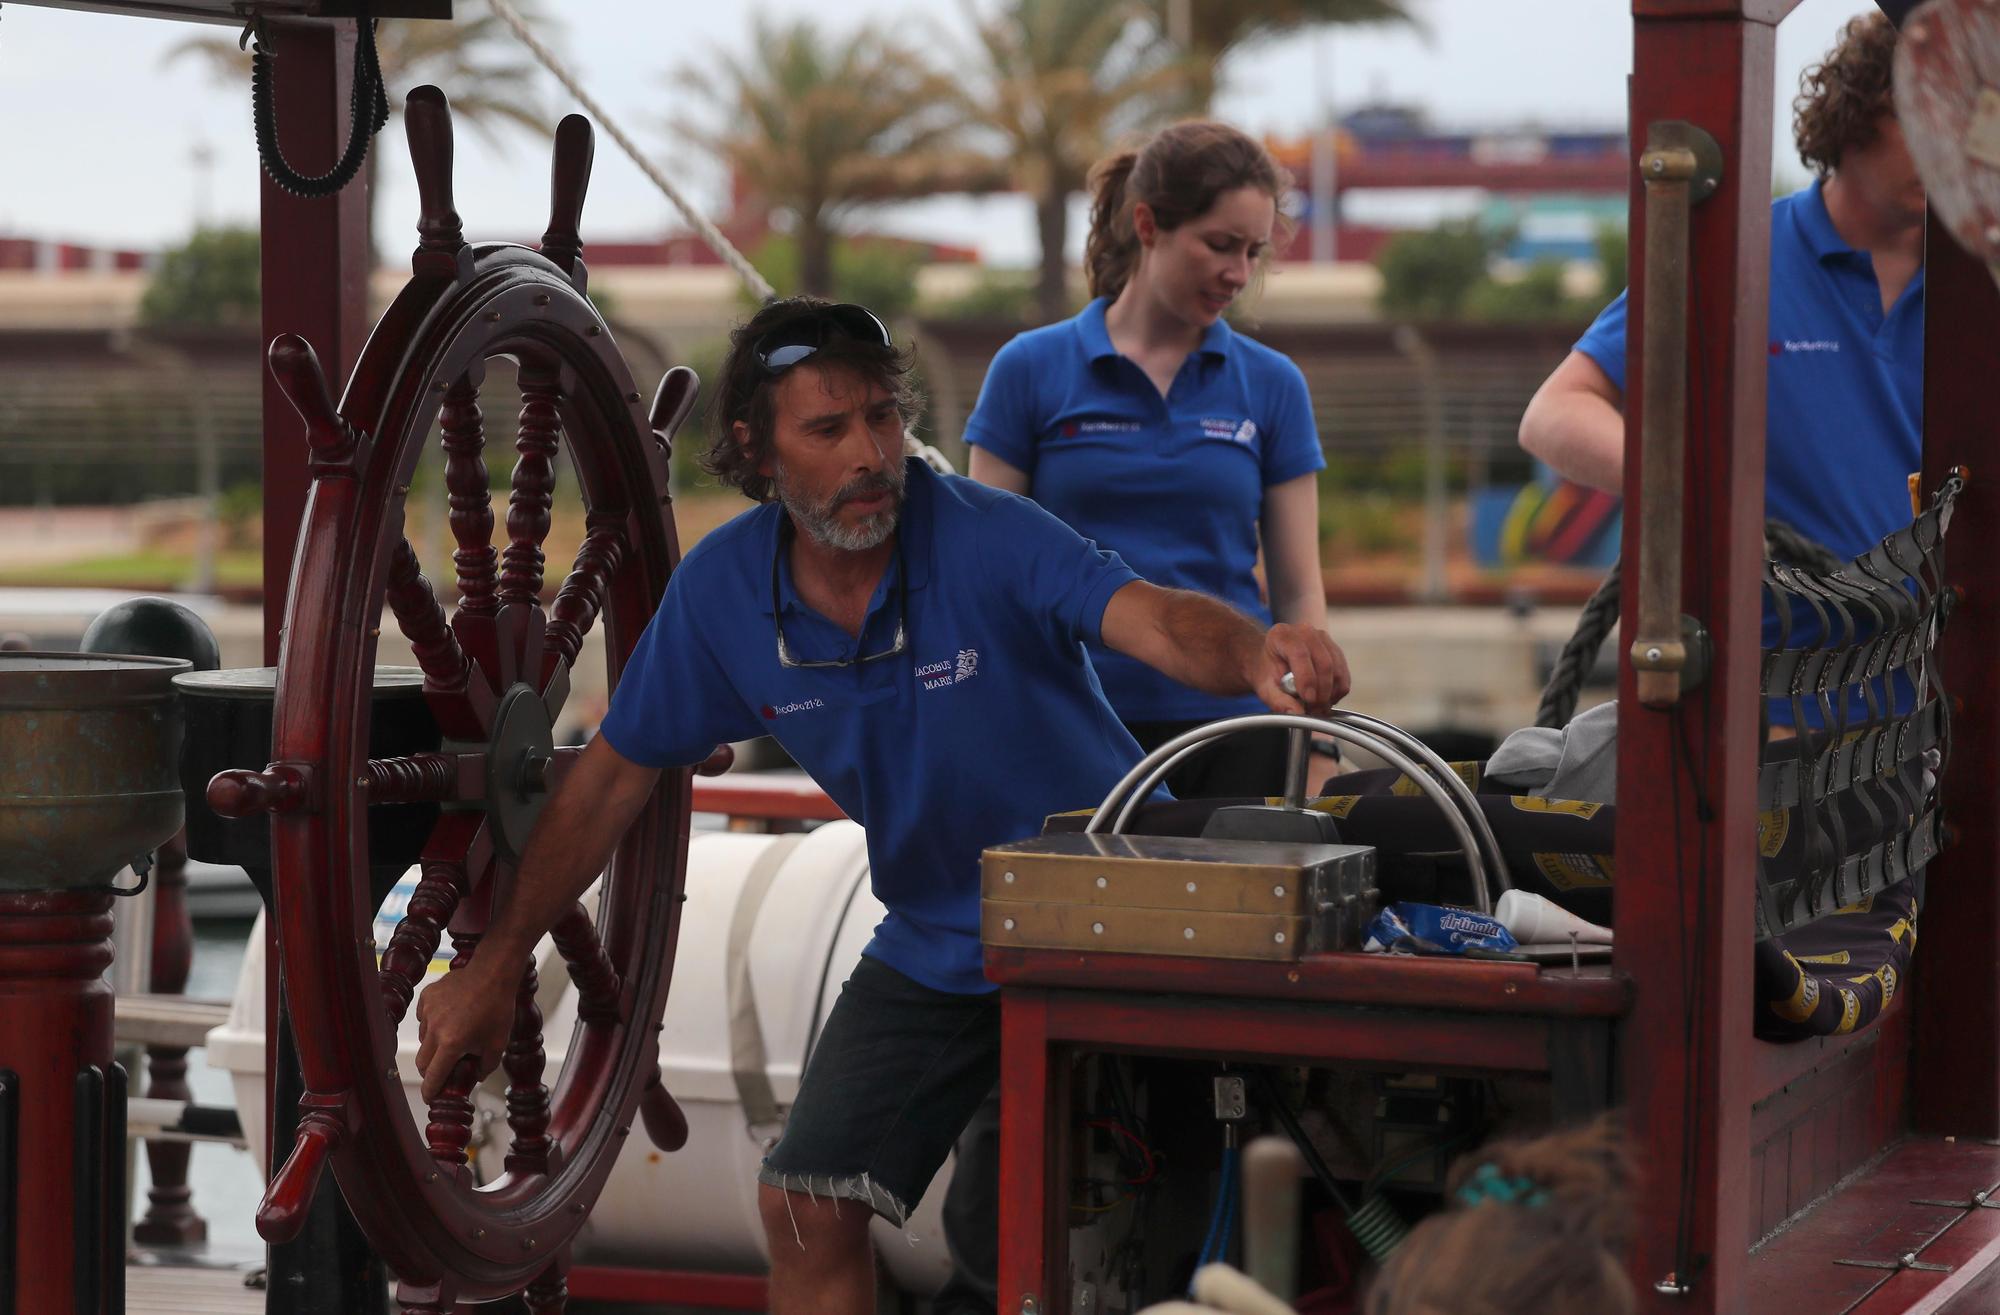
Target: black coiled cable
{"type": "Point", "coordinates": [368, 108]}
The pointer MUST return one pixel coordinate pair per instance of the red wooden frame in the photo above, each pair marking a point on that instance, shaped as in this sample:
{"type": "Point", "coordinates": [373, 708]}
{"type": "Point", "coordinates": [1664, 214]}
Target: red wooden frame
{"type": "Point", "coordinates": [765, 799]}
{"type": "Point", "coordinates": [1687, 851]}
{"type": "Point", "coordinates": [314, 263]}
{"type": "Point", "coordinates": [1955, 1081]}
{"type": "Point", "coordinates": [1346, 1009]}
{"type": "Point", "coordinates": [1694, 1072]}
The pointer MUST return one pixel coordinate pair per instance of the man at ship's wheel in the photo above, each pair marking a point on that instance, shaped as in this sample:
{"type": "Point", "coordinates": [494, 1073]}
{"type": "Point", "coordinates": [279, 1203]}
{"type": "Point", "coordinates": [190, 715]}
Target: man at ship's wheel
{"type": "Point", "coordinates": [915, 642]}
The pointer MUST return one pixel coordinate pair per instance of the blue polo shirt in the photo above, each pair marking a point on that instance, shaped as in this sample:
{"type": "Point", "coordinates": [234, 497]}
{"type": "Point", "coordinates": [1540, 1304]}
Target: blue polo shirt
{"type": "Point", "coordinates": [1174, 484]}
{"type": "Point", "coordinates": [1844, 413]}
{"type": "Point", "coordinates": [990, 720]}
{"type": "Point", "coordinates": [1843, 425]}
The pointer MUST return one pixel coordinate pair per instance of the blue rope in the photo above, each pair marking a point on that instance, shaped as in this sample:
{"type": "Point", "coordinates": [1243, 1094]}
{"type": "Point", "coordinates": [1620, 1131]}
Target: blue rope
{"type": "Point", "coordinates": [1222, 1218]}
{"type": "Point", "coordinates": [1229, 1220]}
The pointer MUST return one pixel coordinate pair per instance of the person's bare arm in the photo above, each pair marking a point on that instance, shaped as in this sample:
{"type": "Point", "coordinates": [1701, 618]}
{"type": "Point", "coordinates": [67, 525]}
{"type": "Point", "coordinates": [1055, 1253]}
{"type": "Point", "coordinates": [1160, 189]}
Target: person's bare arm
{"type": "Point", "coordinates": [1575, 422]}
{"type": "Point", "coordinates": [989, 469]}
{"type": "Point", "coordinates": [1210, 646]}
{"type": "Point", "coordinates": [471, 1011]}
{"type": "Point", "coordinates": [1290, 528]}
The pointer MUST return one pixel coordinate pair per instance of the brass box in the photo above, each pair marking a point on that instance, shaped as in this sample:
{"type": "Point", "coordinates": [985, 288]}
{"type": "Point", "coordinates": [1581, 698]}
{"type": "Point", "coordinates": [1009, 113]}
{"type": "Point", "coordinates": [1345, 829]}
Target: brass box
{"type": "Point", "coordinates": [1214, 899]}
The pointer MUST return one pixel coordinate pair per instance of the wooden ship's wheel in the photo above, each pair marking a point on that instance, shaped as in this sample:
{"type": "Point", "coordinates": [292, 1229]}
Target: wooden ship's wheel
{"type": "Point", "coordinates": [497, 671]}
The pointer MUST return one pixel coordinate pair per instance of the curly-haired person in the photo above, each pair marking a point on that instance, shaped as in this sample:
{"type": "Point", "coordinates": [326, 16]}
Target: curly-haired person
{"type": "Point", "coordinates": [1844, 404]}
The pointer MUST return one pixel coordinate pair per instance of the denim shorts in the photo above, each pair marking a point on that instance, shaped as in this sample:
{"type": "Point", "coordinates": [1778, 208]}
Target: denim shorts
{"type": "Point", "coordinates": [895, 1076]}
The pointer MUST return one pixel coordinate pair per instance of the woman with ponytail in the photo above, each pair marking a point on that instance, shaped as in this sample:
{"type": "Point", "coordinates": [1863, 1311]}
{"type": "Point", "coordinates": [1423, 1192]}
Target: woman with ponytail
{"type": "Point", "coordinates": [1149, 425]}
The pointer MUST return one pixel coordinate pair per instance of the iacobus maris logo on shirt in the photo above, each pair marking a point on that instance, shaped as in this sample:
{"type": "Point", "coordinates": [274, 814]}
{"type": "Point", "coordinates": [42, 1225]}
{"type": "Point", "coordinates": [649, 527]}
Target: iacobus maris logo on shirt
{"type": "Point", "coordinates": [1229, 431]}
{"type": "Point", "coordinates": [937, 675]}
{"type": "Point", "coordinates": [1789, 346]}
{"type": "Point", "coordinates": [1071, 428]}
{"type": "Point", "coordinates": [803, 705]}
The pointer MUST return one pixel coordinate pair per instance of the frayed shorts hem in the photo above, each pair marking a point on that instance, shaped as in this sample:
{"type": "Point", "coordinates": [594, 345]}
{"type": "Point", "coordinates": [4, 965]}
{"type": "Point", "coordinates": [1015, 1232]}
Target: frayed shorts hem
{"type": "Point", "coordinates": [859, 1187]}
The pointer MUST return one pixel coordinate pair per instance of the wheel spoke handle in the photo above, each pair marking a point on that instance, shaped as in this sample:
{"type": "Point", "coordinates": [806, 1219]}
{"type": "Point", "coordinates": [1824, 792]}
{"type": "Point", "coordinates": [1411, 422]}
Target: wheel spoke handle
{"type": "Point", "coordinates": [421, 616]}
{"type": "Point", "coordinates": [415, 940]}
{"type": "Point", "coordinates": [279, 788]}
{"type": "Point", "coordinates": [287, 1201]}
{"type": "Point", "coordinates": [600, 990]}
{"type": "Point", "coordinates": [449, 1131]}
{"type": "Point", "coordinates": [666, 1125]}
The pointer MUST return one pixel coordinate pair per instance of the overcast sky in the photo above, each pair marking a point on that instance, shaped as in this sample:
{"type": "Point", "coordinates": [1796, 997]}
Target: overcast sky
{"type": "Point", "coordinates": [98, 129]}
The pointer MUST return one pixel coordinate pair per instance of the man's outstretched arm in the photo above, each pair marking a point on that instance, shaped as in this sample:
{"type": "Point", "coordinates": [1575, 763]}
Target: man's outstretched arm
{"type": "Point", "coordinates": [1576, 424]}
{"type": "Point", "coordinates": [471, 1011]}
{"type": "Point", "coordinates": [1210, 646]}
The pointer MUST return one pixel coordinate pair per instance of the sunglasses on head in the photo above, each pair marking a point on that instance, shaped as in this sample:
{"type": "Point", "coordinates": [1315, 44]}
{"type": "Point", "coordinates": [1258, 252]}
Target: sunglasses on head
{"type": "Point", "coordinates": [782, 348]}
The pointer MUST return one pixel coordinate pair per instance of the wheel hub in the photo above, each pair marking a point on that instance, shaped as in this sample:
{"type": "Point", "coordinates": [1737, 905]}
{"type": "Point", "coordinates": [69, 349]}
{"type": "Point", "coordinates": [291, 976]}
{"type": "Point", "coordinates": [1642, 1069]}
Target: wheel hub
{"type": "Point", "coordinates": [517, 770]}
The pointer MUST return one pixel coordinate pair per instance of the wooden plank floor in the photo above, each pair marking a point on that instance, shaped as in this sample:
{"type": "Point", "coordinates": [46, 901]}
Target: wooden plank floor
{"type": "Point", "coordinates": [174, 1290]}
{"type": "Point", "coordinates": [1878, 1217]}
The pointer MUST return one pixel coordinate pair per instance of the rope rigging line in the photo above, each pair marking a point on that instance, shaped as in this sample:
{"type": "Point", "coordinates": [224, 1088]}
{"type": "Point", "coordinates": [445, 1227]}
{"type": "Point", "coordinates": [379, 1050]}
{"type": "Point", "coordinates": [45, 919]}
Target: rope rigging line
{"type": "Point", "coordinates": [707, 231]}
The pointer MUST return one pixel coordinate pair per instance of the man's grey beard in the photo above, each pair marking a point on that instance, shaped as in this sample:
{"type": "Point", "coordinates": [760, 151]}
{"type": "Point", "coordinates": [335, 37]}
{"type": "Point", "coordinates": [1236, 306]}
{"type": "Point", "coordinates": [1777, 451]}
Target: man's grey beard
{"type": "Point", "coordinates": [820, 520]}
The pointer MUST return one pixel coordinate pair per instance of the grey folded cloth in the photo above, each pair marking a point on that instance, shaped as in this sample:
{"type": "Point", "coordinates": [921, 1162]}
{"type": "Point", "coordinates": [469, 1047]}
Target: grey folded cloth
{"type": "Point", "coordinates": [1580, 761]}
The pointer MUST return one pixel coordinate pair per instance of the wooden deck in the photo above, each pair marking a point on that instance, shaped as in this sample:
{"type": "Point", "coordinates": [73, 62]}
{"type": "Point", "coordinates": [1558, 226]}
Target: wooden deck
{"type": "Point", "coordinates": [1916, 1202]}
{"type": "Point", "coordinates": [176, 1290]}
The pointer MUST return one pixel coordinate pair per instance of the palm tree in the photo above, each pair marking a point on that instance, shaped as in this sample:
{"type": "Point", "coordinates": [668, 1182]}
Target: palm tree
{"type": "Point", "coordinates": [818, 126]}
{"type": "Point", "coordinates": [1057, 83]}
{"type": "Point", "coordinates": [475, 60]}
{"type": "Point", "coordinates": [1210, 29]}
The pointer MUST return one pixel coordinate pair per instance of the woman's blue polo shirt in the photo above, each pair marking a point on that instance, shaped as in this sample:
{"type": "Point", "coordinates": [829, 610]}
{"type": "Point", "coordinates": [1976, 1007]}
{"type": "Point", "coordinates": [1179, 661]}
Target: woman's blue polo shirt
{"type": "Point", "coordinates": [990, 720]}
{"type": "Point", "coordinates": [1844, 399]}
{"type": "Point", "coordinates": [1174, 484]}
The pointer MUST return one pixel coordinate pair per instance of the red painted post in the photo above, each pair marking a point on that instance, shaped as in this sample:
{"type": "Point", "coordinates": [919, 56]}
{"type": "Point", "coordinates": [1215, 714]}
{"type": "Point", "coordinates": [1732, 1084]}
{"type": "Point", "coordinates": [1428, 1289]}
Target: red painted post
{"type": "Point", "coordinates": [1955, 1072]}
{"type": "Point", "coordinates": [315, 271]}
{"type": "Point", "coordinates": [315, 263]}
{"type": "Point", "coordinates": [1687, 812]}
{"type": "Point", "coordinates": [1025, 1179]}
{"type": "Point", "coordinates": [56, 1039]}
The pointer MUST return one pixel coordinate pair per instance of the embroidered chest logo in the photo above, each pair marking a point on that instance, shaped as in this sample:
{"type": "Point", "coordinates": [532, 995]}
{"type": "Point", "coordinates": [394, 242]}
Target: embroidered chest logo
{"type": "Point", "coordinates": [803, 705]}
{"type": "Point", "coordinates": [938, 675]}
{"type": "Point", "coordinates": [1071, 428]}
{"type": "Point", "coordinates": [1229, 431]}
{"type": "Point", "coordinates": [1790, 346]}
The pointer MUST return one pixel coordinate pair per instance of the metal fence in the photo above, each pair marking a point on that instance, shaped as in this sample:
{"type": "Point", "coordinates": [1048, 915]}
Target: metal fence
{"type": "Point", "coordinates": [98, 419]}
{"type": "Point", "coordinates": [1379, 391]}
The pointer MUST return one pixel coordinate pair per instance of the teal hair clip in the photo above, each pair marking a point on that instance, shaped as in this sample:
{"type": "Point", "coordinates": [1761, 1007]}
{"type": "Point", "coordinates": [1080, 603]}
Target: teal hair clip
{"type": "Point", "coordinates": [1489, 1184]}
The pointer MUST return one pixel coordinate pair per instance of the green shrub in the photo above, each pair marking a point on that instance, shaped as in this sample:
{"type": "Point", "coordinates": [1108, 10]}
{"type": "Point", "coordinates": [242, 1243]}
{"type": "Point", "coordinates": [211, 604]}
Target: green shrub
{"type": "Point", "coordinates": [998, 295]}
{"type": "Point", "coordinates": [880, 274]}
{"type": "Point", "coordinates": [211, 280]}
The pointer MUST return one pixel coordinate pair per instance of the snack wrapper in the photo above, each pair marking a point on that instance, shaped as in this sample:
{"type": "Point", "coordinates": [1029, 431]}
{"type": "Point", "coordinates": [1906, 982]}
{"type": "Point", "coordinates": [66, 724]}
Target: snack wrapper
{"type": "Point", "coordinates": [1415, 928]}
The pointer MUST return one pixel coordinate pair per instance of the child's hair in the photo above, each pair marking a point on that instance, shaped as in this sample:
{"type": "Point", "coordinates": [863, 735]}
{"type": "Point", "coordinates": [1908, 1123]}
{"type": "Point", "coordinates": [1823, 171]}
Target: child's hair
{"type": "Point", "coordinates": [1530, 1228]}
